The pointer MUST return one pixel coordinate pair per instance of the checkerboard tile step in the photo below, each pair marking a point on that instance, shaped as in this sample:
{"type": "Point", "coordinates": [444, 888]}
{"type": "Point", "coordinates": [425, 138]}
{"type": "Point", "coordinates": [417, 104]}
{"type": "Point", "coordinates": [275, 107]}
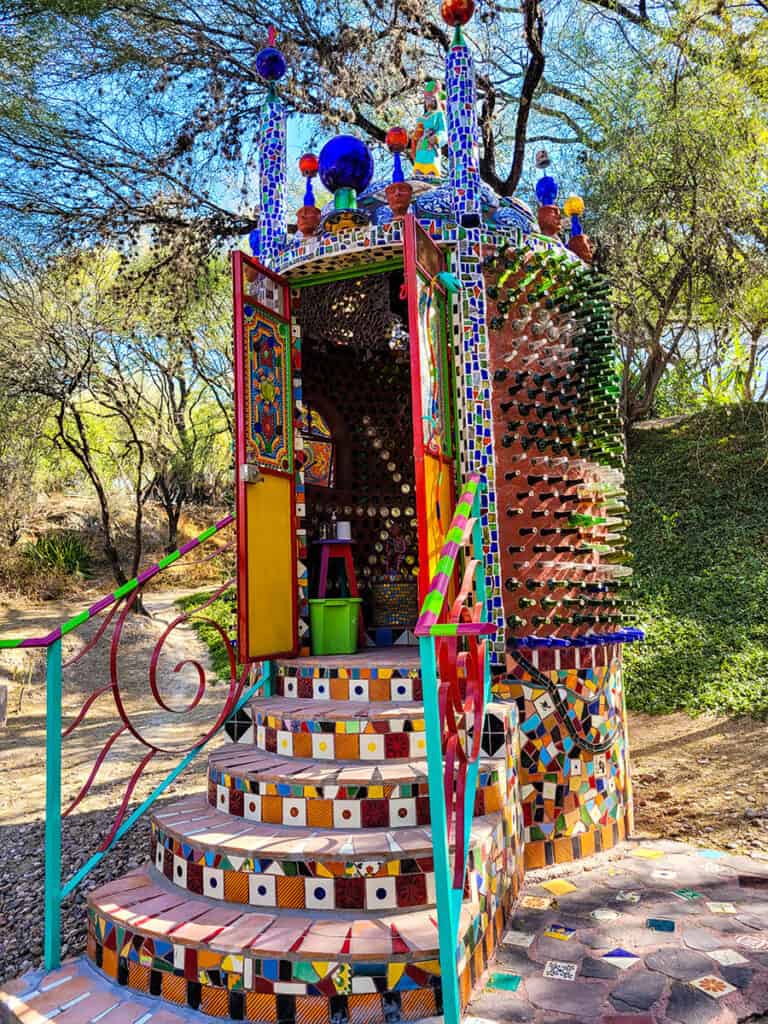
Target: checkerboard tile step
{"type": "Point", "coordinates": [203, 851]}
{"type": "Point", "coordinates": [76, 993]}
{"type": "Point", "coordinates": [332, 730]}
{"type": "Point", "coordinates": [249, 783]}
{"type": "Point", "coordinates": [281, 966]}
{"type": "Point", "coordinates": [374, 683]}
{"type": "Point", "coordinates": [144, 903]}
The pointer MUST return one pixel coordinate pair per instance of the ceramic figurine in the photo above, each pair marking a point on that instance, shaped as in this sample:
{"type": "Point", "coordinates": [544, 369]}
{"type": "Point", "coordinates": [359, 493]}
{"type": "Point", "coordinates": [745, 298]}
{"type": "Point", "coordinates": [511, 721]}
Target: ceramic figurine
{"type": "Point", "coordinates": [429, 136]}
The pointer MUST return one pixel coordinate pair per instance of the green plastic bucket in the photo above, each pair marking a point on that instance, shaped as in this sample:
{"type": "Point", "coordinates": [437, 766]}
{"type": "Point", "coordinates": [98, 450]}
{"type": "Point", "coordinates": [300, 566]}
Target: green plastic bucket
{"type": "Point", "coordinates": [333, 624]}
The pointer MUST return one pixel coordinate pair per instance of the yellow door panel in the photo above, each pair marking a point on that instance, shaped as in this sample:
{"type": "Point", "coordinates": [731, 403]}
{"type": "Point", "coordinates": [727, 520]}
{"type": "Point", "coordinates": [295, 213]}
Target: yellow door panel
{"type": "Point", "coordinates": [271, 584]}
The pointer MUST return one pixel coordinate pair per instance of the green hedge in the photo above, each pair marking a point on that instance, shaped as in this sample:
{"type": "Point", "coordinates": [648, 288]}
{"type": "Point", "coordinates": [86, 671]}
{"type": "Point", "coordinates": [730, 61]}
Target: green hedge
{"type": "Point", "coordinates": [698, 494]}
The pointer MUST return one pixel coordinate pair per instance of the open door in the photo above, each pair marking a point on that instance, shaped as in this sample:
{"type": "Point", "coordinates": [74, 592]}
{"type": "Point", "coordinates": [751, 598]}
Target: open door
{"type": "Point", "coordinates": [266, 502]}
{"type": "Point", "coordinates": [433, 399]}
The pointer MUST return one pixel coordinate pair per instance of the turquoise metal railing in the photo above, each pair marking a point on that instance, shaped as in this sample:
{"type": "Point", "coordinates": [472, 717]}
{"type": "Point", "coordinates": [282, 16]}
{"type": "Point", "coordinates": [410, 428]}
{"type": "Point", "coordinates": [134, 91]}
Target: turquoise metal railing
{"type": "Point", "coordinates": [456, 680]}
{"type": "Point", "coordinates": [119, 604]}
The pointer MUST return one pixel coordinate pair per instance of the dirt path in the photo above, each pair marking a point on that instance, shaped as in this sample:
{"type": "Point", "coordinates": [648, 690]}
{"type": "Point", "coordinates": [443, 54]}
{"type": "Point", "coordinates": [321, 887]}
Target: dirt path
{"type": "Point", "coordinates": [22, 745]}
{"type": "Point", "coordinates": [703, 780]}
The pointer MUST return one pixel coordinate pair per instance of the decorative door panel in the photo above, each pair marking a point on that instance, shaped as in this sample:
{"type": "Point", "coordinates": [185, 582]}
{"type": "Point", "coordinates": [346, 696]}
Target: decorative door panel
{"type": "Point", "coordinates": [266, 535]}
{"type": "Point", "coordinates": [433, 397]}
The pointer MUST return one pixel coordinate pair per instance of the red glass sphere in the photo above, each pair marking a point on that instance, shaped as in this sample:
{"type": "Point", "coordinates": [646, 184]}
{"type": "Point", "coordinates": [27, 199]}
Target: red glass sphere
{"type": "Point", "coordinates": [457, 12]}
{"type": "Point", "coordinates": [397, 140]}
{"type": "Point", "coordinates": [308, 164]}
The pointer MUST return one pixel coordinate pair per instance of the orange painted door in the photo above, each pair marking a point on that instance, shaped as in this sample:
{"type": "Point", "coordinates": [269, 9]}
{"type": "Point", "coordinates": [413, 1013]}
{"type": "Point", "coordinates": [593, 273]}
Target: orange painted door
{"type": "Point", "coordinates": [432, 388]}
{"type": "Point", "coordinates": [267, 599]}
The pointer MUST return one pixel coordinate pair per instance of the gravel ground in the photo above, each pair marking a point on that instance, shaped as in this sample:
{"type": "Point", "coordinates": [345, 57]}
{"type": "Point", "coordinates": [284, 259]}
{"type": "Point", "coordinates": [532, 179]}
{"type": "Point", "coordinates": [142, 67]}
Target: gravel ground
{"type": "Point", "coordinates": [21, 923]}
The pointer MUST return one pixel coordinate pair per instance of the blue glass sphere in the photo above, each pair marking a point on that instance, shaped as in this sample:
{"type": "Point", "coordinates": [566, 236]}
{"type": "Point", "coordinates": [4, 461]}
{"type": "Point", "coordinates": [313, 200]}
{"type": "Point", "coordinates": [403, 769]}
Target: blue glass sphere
{"type": "Point", "coordinates": [345, 162]}
{"type": "Point", "coordinates": [270, 63]}
{"type": "Point", "coordinates": [546, 190]}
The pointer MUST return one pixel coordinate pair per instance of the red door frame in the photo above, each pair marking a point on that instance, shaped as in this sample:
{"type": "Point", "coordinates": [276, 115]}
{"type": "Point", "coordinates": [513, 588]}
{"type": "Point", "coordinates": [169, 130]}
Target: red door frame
{"type": "Point", "coordinates": [239, 261]}
{"type": "Point", "coordinates": [410, 263]}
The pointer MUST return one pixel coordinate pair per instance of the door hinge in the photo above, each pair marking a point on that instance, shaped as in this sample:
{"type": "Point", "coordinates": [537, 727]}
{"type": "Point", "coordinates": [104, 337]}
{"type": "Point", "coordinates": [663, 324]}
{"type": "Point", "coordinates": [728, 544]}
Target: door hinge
{"type": "Point", "coordinates": [250, 473]}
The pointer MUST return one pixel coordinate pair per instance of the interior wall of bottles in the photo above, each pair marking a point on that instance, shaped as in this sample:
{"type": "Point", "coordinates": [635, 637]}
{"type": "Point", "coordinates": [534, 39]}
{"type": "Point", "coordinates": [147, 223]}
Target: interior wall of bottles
{"type": "Point", "coordinates": [365, 394]}
{"type": "Point", "coordinates": [559, 445]}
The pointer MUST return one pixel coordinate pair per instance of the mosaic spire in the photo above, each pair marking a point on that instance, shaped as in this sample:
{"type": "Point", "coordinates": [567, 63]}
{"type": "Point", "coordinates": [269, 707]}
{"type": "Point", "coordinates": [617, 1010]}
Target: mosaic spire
{"type": "Point", "coordinates": [270, 64]}
{"type": "Point", "coordinates": [463, 152]}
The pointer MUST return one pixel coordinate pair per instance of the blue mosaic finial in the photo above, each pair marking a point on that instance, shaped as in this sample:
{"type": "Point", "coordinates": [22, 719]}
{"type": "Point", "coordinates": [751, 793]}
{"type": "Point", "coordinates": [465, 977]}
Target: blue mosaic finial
{"type": "Point", "coordinates": [270, 64]}
{"type": "Point", "coordinates": [546, 190]}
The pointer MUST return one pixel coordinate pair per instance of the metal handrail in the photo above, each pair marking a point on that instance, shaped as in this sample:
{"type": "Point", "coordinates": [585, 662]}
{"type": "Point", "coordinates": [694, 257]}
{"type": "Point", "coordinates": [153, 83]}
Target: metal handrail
{"type": "Point", "coordinates": [455, 685]}
{"type": "Point", "coordinates": [238, 695]}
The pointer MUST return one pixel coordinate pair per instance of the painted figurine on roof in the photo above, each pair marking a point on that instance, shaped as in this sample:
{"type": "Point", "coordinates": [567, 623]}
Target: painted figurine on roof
{"type": "Point", "coordinates": [429, 135]}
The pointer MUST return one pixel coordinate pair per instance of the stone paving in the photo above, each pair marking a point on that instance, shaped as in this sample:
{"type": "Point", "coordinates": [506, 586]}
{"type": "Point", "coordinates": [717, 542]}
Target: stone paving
{"type": "Point", "coordinates": [656, 932]}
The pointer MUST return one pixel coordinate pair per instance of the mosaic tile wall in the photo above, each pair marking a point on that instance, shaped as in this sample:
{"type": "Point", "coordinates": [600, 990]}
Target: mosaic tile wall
{"type": "Point", "coordinates": [299, 416]}
{"type": "Point", "coordinates": [404, 882]}
{"type": "Point", "coordinates": [463, 155]}
{"type": "Point", "coordinates": [324, 682]}
{"type": "Point", "coordinates": [575, 782]}
{"type": "Point", "coordinates": [272, 182]}
{"type": "Point", "coordinates": [474, 404]}
{"type": "Point", "coordinates": [334, 803]}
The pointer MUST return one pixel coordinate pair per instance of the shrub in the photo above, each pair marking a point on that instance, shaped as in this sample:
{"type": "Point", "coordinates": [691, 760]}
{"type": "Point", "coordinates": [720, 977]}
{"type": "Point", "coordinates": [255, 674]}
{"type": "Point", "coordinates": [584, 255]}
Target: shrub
{"type": "Point", "coordinates": [221, 611]}
{"type": "Point", "coordinates": [64, 552]}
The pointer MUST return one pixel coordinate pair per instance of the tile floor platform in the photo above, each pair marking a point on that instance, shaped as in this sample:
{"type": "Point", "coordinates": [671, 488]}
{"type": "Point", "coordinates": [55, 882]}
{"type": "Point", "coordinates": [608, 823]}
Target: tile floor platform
{"type": "Point", "coordinates": [653, 932]}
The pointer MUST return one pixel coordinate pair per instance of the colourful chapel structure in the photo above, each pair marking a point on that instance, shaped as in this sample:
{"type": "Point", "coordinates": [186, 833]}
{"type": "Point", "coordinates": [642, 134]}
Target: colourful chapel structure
{"type": "Point", "coordinates": [431, 571]}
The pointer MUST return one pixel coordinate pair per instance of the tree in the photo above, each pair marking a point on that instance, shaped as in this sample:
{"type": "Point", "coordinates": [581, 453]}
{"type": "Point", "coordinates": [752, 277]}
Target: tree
{"type": "Point", "coordinates": [133, 120]}
{"type": "Point", "coordinates": [678, 192]}
{"type": "Point", "coordinates": [20, 446]}
{"type": "Point", "coordinates": [146, 115]}
{"type": "Point", "coordinates": [180, 342]}
{"type": "Point", "coordinates": [126, 404]}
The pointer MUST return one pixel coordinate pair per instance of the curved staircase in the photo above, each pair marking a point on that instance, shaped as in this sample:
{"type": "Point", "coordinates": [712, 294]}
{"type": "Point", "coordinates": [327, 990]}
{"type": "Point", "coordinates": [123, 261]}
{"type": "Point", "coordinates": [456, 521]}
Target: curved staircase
{"type": "Point", "coordinates": [301, 888]}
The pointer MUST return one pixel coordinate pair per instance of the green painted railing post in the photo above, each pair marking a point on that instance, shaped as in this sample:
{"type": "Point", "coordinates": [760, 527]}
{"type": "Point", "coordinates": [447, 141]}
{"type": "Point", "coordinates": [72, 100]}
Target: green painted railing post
{"type": "Point", "coordinates": [447, 908]}
{"type": "Point", "coordinates": [52, 938]}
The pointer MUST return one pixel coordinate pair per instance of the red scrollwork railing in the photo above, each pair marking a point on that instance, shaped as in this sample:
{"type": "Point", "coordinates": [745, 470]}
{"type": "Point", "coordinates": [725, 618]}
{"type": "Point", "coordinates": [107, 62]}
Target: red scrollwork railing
{"type": "Point", "coordinates": [200, 714]}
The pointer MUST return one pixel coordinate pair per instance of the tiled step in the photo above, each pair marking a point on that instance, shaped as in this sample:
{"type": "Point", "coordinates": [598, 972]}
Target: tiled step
{"type": "Point", "coordinates": [210, 853]}
{"type": "Point", "coordinates": [228, 961]}
{"type": "Point", "coordinates": [332, 730]}
{"type": "Point", "coordinates": [76, 993]}
{"type": "Point", "coordinates": [250, 783]}
{"type": "Point", "coordinates": [324, 680]}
